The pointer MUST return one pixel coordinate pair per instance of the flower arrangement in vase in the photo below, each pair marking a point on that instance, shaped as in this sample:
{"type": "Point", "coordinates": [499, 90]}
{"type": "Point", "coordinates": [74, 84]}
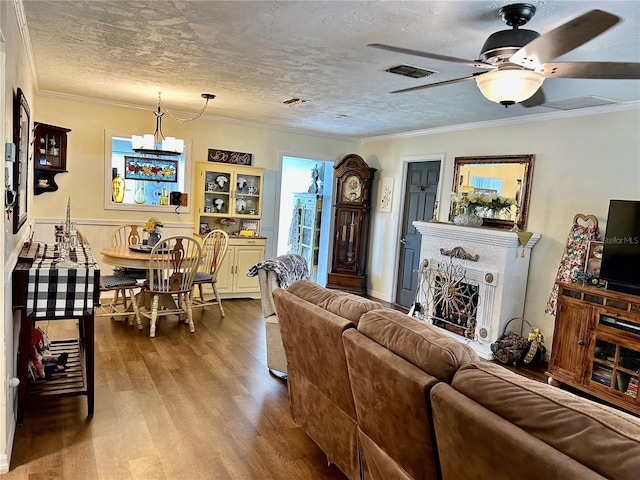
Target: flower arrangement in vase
{"type": "Point", "coordinates": [468, 204]}
{"type": "Point", "coordinates": [152, 227]}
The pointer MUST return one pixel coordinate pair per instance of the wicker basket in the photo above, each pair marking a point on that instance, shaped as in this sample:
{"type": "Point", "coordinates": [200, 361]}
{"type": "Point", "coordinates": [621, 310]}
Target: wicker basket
{"type": "Point", "coordinates": [512, 346]}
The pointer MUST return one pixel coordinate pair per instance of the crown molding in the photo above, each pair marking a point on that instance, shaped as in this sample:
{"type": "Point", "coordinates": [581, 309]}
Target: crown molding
{"type": "Point", "coordinates": [26, 42]}
{"type": "Point", "coordinates": [579, 112]}
{"type": "Point", "coordinates": [229, 121]}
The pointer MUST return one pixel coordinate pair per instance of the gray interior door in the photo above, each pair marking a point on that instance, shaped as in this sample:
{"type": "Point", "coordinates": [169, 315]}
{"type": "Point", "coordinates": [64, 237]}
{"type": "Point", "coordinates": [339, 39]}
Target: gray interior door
{"type": "Point", "coordinates": [420, 195]}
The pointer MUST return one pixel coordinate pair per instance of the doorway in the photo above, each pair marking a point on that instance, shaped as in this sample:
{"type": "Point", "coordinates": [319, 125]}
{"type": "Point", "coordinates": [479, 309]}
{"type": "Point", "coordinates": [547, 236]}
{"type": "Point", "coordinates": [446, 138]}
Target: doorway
{"type": "Point", "coordinates": [421, 190]}
{"type": "Point", "coordinates": [304, 221]}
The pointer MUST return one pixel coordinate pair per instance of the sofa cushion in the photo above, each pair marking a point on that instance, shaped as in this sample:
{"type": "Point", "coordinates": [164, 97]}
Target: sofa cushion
{"type": "Point", "coordinates": [339, 303]}
{"type": "Point", "coordinates": [475, 443]}
{"type": "Point", "coordinates": [423, 345]}
{"type": "Point", "coordinates": [394, 416]}
{"type": "Point", "coordinates": [604, 439]}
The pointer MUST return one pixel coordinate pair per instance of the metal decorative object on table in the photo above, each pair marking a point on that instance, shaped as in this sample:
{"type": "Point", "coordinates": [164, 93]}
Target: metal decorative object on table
{"type": "Point", "coordinates": [66, 242]}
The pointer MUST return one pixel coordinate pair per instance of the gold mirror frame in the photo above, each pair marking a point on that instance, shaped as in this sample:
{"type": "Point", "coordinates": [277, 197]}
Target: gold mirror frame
{"type": "Point", "coordinates": [525, 191]}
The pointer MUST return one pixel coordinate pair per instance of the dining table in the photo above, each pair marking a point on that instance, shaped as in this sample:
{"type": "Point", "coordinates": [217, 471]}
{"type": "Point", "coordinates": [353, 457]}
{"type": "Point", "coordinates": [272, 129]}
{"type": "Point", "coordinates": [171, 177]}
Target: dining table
{"type": "Point", "coordinates": [123, 256]}
{"type": "Point", "coordinates": [135, 257]}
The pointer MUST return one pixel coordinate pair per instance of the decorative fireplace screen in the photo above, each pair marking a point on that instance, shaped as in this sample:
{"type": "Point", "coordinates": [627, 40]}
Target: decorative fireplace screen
{"type": "Point", "coordinates": [450, 298]}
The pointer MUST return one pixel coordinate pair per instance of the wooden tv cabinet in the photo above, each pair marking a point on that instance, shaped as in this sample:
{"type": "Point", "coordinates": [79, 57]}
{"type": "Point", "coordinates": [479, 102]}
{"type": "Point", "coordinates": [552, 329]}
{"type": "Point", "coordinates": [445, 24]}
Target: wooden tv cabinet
{"type": "Point", "coordinates": [596, 343]}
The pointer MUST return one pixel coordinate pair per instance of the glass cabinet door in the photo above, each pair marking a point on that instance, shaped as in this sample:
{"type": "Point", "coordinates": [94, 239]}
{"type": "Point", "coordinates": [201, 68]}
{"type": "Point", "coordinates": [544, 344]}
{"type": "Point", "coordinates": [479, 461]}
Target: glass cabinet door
{"type": "Point", "coordinates": [217, 192]}
{"type": "Point", "coordinates": [247, 194]}
{"type": "Point", "coordinates": [346, 248]}
{"type": "Point", "coordinates": [616, 367]}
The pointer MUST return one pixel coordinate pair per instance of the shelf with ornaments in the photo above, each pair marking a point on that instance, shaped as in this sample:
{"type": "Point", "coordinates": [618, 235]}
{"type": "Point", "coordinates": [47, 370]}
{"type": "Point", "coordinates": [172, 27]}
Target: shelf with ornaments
{"type": "Point", "coordinates": [50, 156]}
{"type": "Point", "coordinates": [227, 191]}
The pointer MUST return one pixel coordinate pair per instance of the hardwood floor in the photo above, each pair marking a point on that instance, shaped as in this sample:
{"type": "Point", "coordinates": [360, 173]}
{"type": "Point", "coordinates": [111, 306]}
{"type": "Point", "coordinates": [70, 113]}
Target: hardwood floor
{"type": "Point", "coordinates": [178, 406]}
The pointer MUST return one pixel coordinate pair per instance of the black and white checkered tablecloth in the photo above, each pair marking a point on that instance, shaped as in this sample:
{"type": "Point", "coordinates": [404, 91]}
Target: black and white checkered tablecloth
{"type": "Point", "coordinates": [61, 291]}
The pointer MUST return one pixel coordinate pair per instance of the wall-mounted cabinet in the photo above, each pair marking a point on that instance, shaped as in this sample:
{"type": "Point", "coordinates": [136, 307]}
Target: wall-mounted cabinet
{"type": "Point", "coordinates": [50, 156]}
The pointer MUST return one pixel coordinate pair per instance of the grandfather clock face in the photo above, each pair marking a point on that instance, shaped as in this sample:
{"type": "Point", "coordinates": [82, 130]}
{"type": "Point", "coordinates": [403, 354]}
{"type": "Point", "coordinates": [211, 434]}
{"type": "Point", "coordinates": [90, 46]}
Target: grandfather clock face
{"type": "Point", "coordinates": [351, 189]}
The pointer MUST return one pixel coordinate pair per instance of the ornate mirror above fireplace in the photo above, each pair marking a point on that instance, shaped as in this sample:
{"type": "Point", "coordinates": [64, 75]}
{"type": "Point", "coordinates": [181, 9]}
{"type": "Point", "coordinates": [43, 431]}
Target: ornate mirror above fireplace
{"type": "Point", "coordinates": [508, 176]}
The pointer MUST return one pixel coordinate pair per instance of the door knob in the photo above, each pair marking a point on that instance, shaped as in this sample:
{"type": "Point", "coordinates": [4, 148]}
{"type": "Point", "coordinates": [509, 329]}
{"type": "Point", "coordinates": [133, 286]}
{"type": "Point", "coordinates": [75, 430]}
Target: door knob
{"type": "Point", "coordinates": [403, 241]}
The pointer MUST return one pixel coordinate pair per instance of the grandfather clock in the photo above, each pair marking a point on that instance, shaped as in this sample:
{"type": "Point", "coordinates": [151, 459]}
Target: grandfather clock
{"type": "Point", "coordinates": [353, 180]}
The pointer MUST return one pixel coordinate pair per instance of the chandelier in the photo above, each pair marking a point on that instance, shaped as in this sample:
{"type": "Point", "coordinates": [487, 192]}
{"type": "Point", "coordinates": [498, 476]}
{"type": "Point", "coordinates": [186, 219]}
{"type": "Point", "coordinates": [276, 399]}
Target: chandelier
{"type": "Point", "coordinates": [156, 143]}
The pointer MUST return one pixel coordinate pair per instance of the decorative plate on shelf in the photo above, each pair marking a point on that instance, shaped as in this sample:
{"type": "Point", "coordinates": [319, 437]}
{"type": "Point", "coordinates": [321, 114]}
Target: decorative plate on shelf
{"type": "Point", "coordinates": [241, 205]}
{"type": "Point", "coordinates": [222, 180]}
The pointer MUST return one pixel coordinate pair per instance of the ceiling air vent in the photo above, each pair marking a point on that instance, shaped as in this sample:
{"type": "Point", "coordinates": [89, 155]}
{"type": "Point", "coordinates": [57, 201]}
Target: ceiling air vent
{"type": "Point", "coordinates": [410, 71]}
{"type": "Point", "coordinates": [580, 102]}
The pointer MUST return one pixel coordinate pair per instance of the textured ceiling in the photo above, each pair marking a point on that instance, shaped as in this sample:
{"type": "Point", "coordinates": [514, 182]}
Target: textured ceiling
{"type": "Point", "coordinates": [255, 55]}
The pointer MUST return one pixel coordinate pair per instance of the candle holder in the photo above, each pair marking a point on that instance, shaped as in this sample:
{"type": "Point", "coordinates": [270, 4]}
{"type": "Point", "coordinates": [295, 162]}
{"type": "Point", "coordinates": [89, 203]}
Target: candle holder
{"type": "Point", "coordinates": [434, 219]}
{"type": "Point", "coordinates": [515, 227]}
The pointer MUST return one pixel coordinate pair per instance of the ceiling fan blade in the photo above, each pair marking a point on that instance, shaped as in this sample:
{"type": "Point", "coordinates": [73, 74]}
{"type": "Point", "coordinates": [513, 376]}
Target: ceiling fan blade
{"type": "Point", "coordinates": [435, 56]}
{"type": "Point", "coordinates": [437, 84]}
{"type": "Point", "coordinates": [564, 38]}
{"type": "Point", "coordinates": [604, 70]}
{"type": "Point", "coordinates": [535, 100]}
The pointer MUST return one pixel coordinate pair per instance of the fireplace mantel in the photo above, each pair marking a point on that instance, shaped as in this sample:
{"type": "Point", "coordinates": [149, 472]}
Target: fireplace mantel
{"type": "Point", "coordinates": [496, 261]}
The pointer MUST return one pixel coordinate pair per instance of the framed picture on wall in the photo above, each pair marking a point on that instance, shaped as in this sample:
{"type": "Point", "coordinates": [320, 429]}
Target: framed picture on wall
{"type": "Point", "coordinates": [594, 258]}
{"type": "Point", "coordinates": [21, 129]}
{"type": "Point", "coordinates": [151, 169]}
{"type": "Point", "coordinates": [204, 228]}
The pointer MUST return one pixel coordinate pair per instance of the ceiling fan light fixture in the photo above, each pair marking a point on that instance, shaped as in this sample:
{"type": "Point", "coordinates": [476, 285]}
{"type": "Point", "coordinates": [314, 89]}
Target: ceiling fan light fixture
{"type": "Point", "coordinates": [507, 87]}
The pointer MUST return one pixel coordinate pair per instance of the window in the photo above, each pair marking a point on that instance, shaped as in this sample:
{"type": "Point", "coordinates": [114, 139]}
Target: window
{"type": "Point", "coordinates": [143, 192]}
{"type": "Point", "coordinates": [487, 185]}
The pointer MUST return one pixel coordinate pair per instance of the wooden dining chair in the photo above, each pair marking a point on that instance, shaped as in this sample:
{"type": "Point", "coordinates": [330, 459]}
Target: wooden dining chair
{"type": "Point", "coordinates": [173, 263]}
{"type": "Point", "coordinates": [124, 281]}
{"type": "Point", "coordinates": [214, 248]}
{"type": "Point", "coordinates": [128, 234]}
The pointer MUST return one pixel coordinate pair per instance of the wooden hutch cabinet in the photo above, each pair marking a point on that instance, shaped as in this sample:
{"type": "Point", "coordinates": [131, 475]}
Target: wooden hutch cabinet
{"type": "Point", "coordinates": [596, 343]}
{"type": "Point", "coordinates": [229, 197]}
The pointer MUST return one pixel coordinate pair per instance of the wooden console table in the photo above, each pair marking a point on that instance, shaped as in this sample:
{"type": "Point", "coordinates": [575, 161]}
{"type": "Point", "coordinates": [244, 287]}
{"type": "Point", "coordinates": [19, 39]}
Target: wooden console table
{"type": "Point", "coordinates": [596, 343]}
{"type": "Point", "coordinates": [45, 290]}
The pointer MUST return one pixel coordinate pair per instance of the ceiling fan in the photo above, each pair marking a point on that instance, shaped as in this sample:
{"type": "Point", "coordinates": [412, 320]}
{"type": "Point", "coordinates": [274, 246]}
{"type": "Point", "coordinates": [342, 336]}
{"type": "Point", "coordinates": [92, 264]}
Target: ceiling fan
{"type": "Point", "coordinates": [516, 61]}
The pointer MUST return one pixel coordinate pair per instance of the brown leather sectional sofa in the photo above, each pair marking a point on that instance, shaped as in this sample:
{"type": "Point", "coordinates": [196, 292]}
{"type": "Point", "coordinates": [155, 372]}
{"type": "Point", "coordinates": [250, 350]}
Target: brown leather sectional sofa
{"type": "Point", "coordinates": [388, 397]}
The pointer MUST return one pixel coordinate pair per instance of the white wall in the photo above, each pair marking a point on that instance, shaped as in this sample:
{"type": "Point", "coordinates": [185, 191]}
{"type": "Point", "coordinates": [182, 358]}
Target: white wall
{"type": "Point", "coordinates": [581, 163]}
{"type": "Point", "coordinates": [16, 73]}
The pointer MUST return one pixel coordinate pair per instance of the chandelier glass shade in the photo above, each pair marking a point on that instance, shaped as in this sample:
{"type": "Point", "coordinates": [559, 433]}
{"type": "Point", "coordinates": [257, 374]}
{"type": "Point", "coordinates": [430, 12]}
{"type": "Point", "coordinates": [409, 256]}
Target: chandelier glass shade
{"type": "Point", "coordinates": [156, 143]}
{"type": "Point", "coordinates": [509, 86]}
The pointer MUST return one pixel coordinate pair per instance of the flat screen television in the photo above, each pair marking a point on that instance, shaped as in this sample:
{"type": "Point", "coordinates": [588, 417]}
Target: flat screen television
{"type": "Point", "coordinates": [621, 255]}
